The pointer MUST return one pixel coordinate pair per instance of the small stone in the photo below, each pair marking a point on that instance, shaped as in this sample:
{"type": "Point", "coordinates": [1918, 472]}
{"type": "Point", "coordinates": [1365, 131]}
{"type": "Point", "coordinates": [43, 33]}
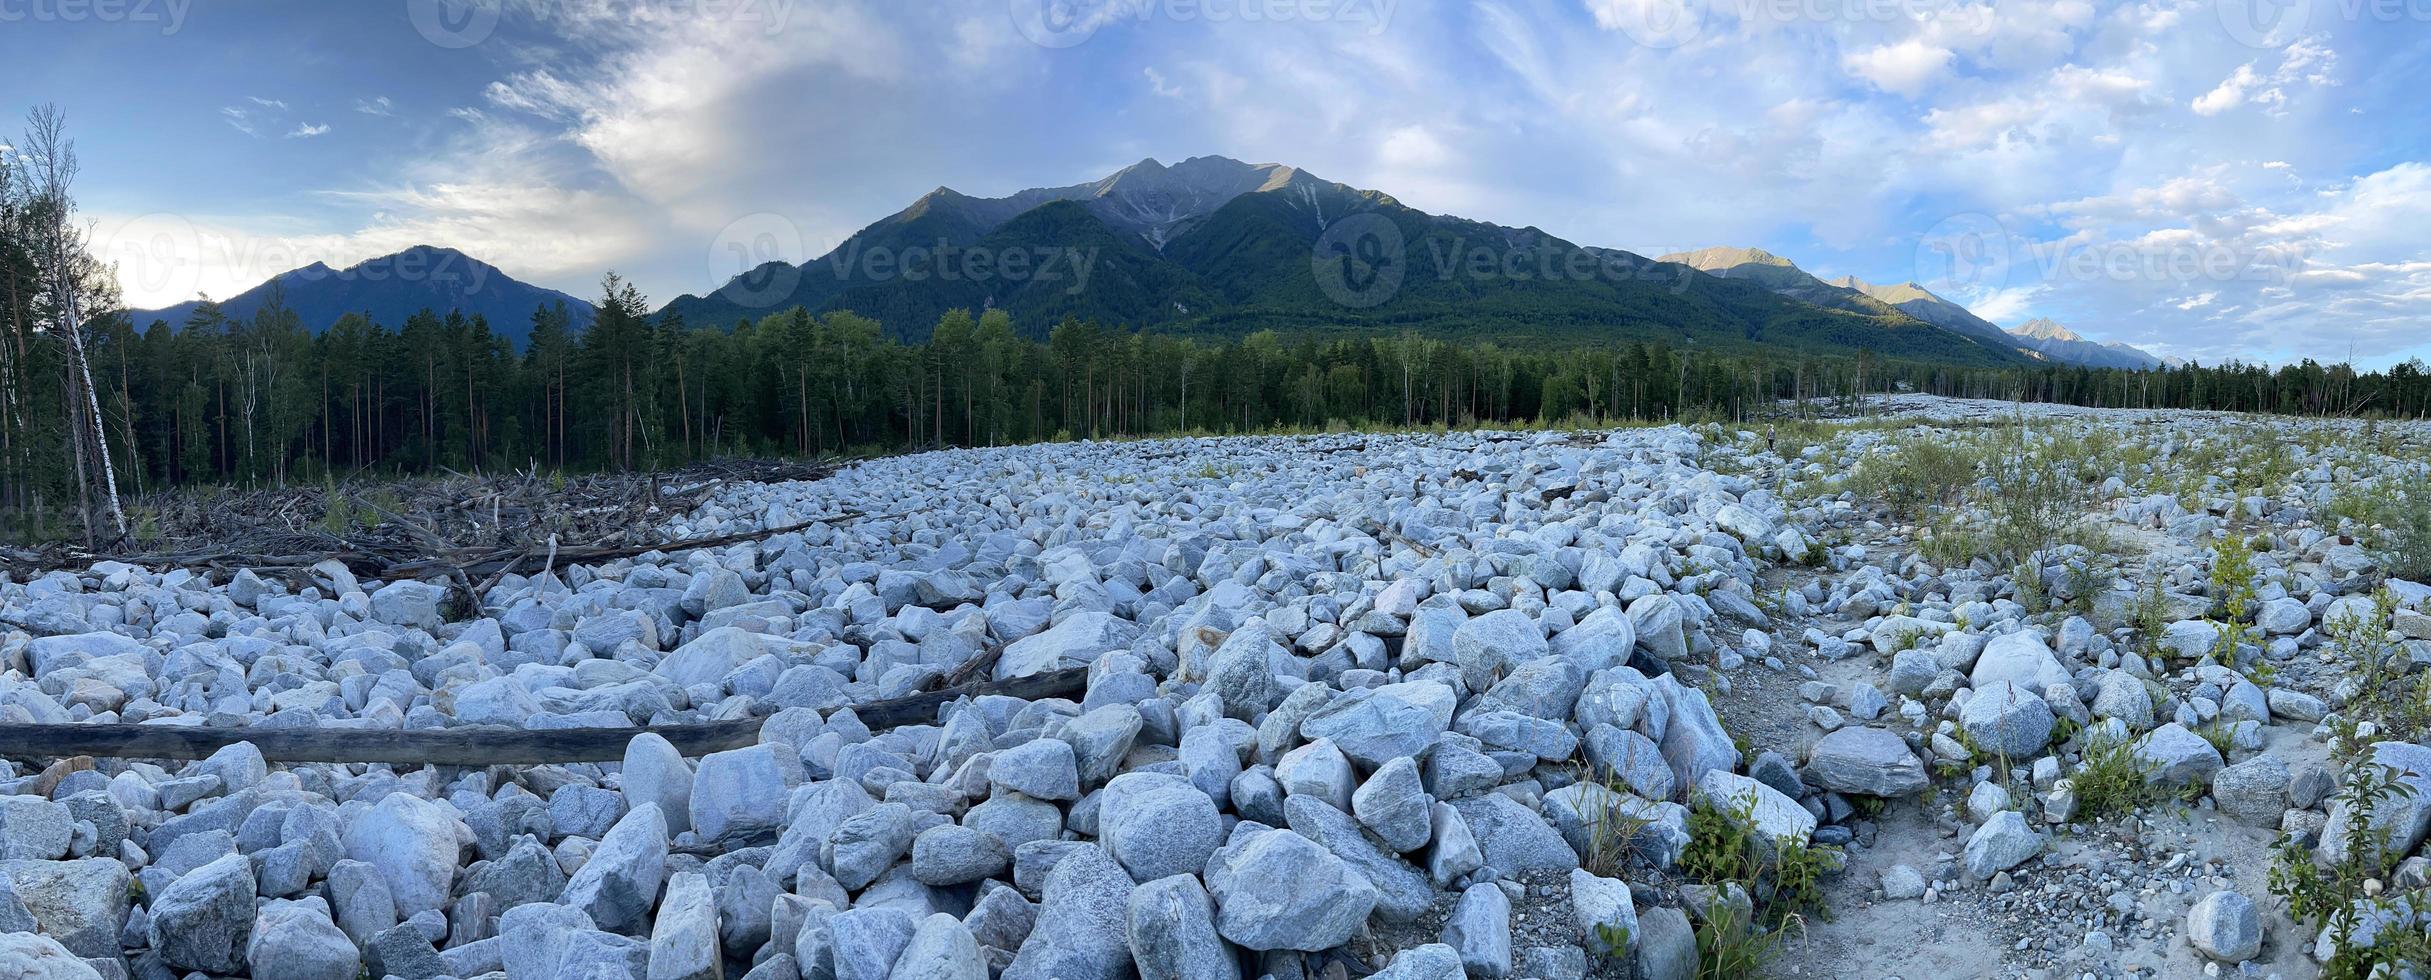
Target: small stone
{"type": "Point", "coordinates": [1480, 928]}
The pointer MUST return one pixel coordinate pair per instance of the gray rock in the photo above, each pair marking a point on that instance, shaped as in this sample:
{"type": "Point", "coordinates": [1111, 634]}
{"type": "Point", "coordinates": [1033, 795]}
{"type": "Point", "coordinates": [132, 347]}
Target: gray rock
{"type": "Point", "coordinates": [576, 810]}
{"type": "Point", "coordinates": [2175, 756]}
{"type": "Point", "coordinates": [2225, 926]}
{"type": "Point", "coordinates": [414, 844]}
{"type": "Point", "coordinates": [1480, 928]}
{"type": "Point", "coordinates": [1774, 815]}
{"type": "Point", "coordinates": [949, 854]}
{"type": "Point", "coordinates": [1074, 642]}
{"type": "Point", "coordinates": [32, 957]}
{"type": "Point", "coordinates": [1901, 882]}
{"type": "Point", "coordinates": [1453, 850]}
{"type": "Point", "coordinates": [941, 948]}
{"type": "Point", "coordinates": [2283, 616]}
{"type": "Point", "coordinates": [2003, 842]}
{"type": "Point", "coordinates": [533, 938]}
{"type": "Point", "coordinates": [1319, 770]}
{"type": "Point", "coordinates": [741, 792]}
{"type": "Point", "coordinates": [297, 941]}
{"type": "Point", "coordinates": [1080, 933]}
{"type": "Point", "coordinates": [1601, 909]}
{"type": "Point", "coordinates": [684, 942]}
{"type": "Point", "coordinates": [1631, 758]}
{"type": "Point", "coordinates": [1099, 740]}
{"type": "Point", "coordinates": [1433, 961]}
{"type": "Point", "coordinates": [616, 886]}
{"type": "Point", "coordinates": [1041, 768]}
{"type": "Point", "coordinates": [33, 829]}
{"type": "Point", "coordinates": [1394, 804]}
{"type": "Point", "coordinates": [201, 921]}
{"type": "Point", "coordinates": [1512, 838]}
{"type": "Point", "coordinates": [1866, 761]}
{"type": "Point", "coordinates": [1275, 889]}
{"type": "Point", "coordinates": [866, 844]}
{"type": "Point", "coordinates": [2296, 706]}
{"type": "Point", "coordinates": [1375, 725]}
{"type": "Point", "coordinates": [413, 604]}
{"type": "Point", "coordinates": [1401, 892]}
{"type": "Point", "coordinates": [1171, 926]}
{"type": "Point", "coordinates": [1661, 626]}
{"type": "Point", "coordinates": [1667, 945]}
{"type": "Point", "coordinates": [1156, 825]}
{"type": "Point", "coordinates": [866, 942]}
{"type": "Point", "coordinates": [81, 903]}
{"type": "Point", "coordinates": [1490, 644]}
{"type": "Point", "coordinates": [654, 772]}
{"type": "Point", "coordinates": [2006, 720]}
{"type": "Point", "coordinates": [2020, 658]}
{"type": "Point", "coordinates": [2124, 697]}
{"type": "Point", "coordinates": [2253, 792]}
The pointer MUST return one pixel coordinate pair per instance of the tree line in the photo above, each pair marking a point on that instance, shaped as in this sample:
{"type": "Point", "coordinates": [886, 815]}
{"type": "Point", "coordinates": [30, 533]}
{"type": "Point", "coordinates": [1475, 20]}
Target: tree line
{"type": "Point", "coordinates": [91, 402]}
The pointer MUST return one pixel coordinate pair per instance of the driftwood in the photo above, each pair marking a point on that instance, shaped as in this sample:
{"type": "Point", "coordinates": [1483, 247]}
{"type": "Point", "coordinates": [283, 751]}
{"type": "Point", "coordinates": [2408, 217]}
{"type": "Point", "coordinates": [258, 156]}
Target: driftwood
{"type": "Point", "coordinates": [477, 746]}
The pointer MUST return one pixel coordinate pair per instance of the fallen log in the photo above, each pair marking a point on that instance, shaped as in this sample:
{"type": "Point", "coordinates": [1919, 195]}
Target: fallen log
{"type": "Point", "coordinates": [477, 746]}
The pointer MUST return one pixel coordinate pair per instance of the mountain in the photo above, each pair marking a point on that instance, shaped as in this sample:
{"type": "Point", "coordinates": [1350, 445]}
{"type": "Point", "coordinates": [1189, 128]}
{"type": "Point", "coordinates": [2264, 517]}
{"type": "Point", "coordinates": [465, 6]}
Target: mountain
{"type": "Point", "coordinates": [1222, 247]}
{"type": "Point", "coordinates": [1921, 303]}
{"type": "Point", "coordinates": [1779, 275]}
{"type": "Point", "coordinates": [2061, 344]}
{"type": "Point", "coordinates": [391, 288]}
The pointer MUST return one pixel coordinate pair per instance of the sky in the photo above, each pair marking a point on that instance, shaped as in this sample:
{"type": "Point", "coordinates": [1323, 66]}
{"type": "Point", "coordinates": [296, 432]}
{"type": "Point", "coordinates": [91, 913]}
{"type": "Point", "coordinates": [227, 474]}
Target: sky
{"type": "Point", "coordinates": [2210, 180]}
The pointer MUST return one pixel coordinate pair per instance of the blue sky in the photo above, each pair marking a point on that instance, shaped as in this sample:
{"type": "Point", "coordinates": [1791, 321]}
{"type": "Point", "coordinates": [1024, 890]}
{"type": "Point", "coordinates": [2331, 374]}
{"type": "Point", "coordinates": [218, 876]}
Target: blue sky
{"type": "Point", "coordinates": [2247, 178]}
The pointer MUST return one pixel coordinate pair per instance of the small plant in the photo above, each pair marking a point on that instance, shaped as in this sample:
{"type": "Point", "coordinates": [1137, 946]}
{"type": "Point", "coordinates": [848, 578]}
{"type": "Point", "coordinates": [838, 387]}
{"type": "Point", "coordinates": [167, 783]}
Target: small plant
{"type": "Point", "coordinates": [2113, 781]}
{"type": "Point", "coordinates": [2341, 895]}
{"type": "Point", "coordinates": [1785, 878]}
{"type": "Point", "coordinates": [1730, 947]}
{"type": "Point", "coordinates": [2232, 583]}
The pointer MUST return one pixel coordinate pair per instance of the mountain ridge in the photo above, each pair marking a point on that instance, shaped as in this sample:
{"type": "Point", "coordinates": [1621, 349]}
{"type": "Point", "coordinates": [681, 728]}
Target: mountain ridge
{"type": "Point", "coordinates": [390, 288]}
{"type": "Point", "coordinates": [1224, 246]}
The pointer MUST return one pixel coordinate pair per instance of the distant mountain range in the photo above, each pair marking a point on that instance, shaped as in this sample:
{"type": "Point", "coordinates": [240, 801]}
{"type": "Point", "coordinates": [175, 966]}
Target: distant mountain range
{"type": "Point", "coordinates": [2041, 339]}
{"type": "Point", "coordinates": [1219, 247]}
{"type": "Point", "coordinates": [2063, 345]}
{"type": "Point", "coordinates": [1216, 246]}
{"type": "Point", "coordinates": [389, 289]}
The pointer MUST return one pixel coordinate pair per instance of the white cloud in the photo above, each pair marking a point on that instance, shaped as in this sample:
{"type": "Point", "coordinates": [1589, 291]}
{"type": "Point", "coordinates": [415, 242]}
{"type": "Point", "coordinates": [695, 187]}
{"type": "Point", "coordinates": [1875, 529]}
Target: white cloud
{"type": "Point", "coordinates": [377, 106]}
{"type": "Point", "coordinates": [307, 130]}
{"type": "Point", "coordinates": [1906, 68]}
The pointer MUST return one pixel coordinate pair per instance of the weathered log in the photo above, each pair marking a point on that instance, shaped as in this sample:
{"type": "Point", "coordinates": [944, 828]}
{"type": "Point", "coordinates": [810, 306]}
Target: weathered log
{"type": "Point", "coordinates": [476, 746]}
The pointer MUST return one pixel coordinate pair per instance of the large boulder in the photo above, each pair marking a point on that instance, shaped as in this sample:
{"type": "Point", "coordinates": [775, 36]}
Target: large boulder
{"type": "Point", "coordinates": [414, 843]}
{"type": "Point", "coordinates": [2020, 658]}
{"type": "Point", "coordinates": [201, 921]}
{"type": "Point", "coordinates": [1275, 889]}
{"type": "Point", "coordinates": [1865, 761]}
{"type": "Point", "coordinates": [1377, 724]}
{"type": "Point", "coordinates": [2006, 720]}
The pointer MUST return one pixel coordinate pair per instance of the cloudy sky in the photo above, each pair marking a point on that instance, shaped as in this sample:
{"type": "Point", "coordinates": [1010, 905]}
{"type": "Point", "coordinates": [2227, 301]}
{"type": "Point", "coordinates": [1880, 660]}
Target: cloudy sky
{"type": "Point", "coordinates": [2242, 178]}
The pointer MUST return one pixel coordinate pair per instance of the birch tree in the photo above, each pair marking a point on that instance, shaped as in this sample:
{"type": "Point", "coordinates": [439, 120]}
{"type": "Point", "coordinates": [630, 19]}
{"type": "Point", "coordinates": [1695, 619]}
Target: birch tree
{"type": "Point", "coordinates": [48, 160]}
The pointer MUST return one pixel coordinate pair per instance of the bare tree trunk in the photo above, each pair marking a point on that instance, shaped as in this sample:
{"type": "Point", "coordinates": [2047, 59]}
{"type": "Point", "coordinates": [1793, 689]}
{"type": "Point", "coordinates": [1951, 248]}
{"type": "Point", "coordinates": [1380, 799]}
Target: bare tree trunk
{"type": "Point", "coordinates": [54, 161]}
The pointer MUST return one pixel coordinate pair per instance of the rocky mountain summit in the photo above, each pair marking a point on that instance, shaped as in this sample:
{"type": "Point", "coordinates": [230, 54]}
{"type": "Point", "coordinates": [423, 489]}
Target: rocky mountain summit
{"type": "Point", "coordinates": [1474, 704]}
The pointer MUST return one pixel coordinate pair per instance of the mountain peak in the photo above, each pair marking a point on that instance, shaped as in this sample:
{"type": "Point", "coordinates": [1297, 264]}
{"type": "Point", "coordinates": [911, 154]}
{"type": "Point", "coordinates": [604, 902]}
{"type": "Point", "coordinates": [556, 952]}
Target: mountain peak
{"type": "Point", "coordinates": [1722, 258]}
{"type": "Point", "coordinates": [2044, 328]}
